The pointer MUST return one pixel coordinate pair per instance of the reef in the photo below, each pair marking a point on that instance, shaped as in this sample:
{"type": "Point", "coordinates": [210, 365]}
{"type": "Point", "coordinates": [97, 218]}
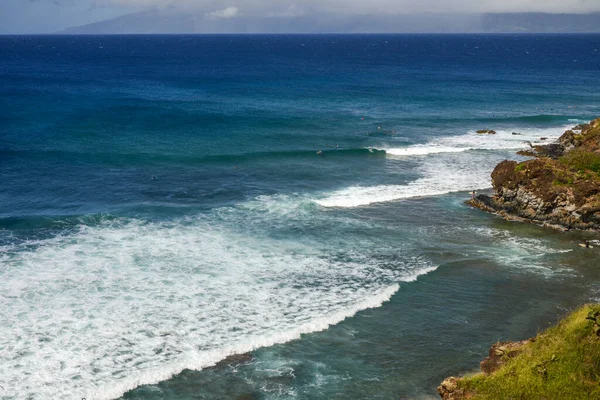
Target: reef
{"type": "Point", "coordinates": [558, 188]}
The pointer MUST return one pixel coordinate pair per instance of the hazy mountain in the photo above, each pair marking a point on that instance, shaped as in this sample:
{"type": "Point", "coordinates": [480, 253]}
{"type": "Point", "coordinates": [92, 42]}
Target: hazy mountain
{"type": "Point", "coordinates": [541, 22]}
{"type": "Point", "coordinates": [168, 21]}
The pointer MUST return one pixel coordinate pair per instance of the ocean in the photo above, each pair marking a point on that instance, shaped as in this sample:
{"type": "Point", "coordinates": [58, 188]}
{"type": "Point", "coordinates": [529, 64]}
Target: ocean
{"type": "Point", "coordinates": [275, 216]}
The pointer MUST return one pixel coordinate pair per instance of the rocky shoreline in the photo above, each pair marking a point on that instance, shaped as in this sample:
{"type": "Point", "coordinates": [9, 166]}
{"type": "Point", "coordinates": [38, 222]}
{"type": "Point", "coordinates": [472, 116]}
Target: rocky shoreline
{"type": "Point", "coordinates": [562, 362]}
{"type": "Point", "coordinates": [559, 188]}
{"type": "Point", "coordinates": [498, 355]}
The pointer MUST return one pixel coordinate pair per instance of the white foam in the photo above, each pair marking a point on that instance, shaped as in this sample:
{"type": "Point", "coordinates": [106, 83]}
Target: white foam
{"type": "Point", "coordinates": [522, 253]}
{"type": "Point", "coordinates": [100, 311]}
{"type": "Point", "coordinates": [449, 171]}
{"type": "Point", "coordinates": [502, 140]}
{"type": "Point", "coordinates": [421, 150]}
{"type": "Point", "coordinates": [440, 176]}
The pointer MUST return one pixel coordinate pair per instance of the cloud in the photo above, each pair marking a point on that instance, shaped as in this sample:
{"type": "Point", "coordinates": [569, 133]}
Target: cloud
{"type": "Point", "coordinates": [229, 12]}
{"type": "Point", "coordinates": [275, 7]}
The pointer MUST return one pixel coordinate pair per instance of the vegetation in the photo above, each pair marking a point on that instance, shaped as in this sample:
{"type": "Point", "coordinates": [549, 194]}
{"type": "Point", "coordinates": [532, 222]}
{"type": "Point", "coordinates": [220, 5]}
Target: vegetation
{"type": "Point", "coordinates": [582, 160]}
{"type": "Point", "coordinates": [561, 363]}
{"type": "Point", "coordinates": [520, 167]}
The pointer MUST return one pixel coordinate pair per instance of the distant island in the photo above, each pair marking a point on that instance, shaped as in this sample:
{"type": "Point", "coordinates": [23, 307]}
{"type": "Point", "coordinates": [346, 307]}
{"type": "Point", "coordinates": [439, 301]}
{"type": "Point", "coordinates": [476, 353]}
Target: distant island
{"type": "Point", "coordinates": [166, 21]}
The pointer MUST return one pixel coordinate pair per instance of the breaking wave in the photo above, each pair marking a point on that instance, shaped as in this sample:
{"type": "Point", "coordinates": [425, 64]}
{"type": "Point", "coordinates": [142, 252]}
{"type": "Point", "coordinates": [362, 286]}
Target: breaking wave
{"type": "Point", "coordinates": [110, 306]}
{"type": "Point", "coordinates": [451, 170]}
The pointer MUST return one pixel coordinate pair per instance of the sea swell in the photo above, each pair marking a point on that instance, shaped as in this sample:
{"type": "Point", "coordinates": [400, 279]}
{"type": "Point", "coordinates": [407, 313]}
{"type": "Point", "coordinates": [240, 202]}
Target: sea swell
{"type": "Point", "coordinates": [449, 164]}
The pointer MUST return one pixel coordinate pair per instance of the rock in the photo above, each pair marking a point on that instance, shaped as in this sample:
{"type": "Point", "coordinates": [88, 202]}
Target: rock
{"type": "Point", "coordinates": [449, 390]}
{"type": "Point", "coordinates": [235, 359]}
{"type": "Point", "coordinates": [527, 153]}
{"type": "Point", "coordinates": [516, 133]}
{"type": "Point", "coordinates": [486, 131]}
{"type": "Point", "coordinates": [547, 191]}
{"type": "Point", "coordinates": [499, 354]}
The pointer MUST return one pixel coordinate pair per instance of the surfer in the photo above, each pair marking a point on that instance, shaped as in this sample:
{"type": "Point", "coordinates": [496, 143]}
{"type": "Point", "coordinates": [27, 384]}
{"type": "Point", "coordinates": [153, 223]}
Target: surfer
{"type": "Point", "coordinates": [319, 152]}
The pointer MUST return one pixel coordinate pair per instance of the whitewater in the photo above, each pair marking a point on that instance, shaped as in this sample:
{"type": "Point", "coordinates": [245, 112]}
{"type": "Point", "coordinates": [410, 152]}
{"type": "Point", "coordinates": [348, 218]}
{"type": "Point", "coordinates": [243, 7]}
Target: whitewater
{"type": "Point", "coordinates": [448, 164]}
{"type": "Point", "coordinates": [100, 311]}
{"type": "Point", "coordinates": [169, 201]}
{"type": "Point", "coordinates": [106, 308]}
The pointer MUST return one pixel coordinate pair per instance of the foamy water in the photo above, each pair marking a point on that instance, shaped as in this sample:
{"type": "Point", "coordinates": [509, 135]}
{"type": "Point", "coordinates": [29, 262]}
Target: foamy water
{"type": "Point", "coordinates": [502, 140]}
{"type": "Point", "coordinates": [97, 312]}
{"type": "Point", "coordinates": [523, 253]}
{"type": "Point", "coordinates": [460, 163]}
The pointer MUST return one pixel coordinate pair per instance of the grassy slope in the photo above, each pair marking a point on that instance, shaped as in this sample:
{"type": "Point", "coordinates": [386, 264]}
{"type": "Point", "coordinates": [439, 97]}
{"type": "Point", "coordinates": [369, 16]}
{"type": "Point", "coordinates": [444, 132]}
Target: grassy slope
{"type": "Point", "coordinates": [562, 363]}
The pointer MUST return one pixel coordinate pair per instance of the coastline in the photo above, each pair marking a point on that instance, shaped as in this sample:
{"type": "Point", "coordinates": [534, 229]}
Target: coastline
{"type": "Point", "coordinates": [559, 188]}
{"type": "Point", "coordinates": [552, 191]}
{"type": "Point", "coordinates": [161, 211]}
{"type": "Point", "coordinates": [560, 362]}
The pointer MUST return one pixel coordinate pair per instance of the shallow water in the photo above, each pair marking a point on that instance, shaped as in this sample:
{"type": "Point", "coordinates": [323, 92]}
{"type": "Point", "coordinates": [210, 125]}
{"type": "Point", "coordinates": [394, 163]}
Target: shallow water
{"type": "Point", "coordinates": [163, 206]}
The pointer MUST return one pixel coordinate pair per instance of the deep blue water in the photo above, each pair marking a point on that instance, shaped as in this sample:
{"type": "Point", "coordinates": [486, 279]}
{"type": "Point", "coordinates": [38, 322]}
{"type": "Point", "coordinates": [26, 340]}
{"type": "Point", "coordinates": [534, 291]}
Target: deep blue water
{"type": "Point", "coordinates": [168, 201]}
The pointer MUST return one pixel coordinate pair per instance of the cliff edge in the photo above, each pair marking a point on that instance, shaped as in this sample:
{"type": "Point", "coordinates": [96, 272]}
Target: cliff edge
{"type": "Point", "coordinates": [559, 188]}
{"type": "Point", "coordinates": [562, 362]}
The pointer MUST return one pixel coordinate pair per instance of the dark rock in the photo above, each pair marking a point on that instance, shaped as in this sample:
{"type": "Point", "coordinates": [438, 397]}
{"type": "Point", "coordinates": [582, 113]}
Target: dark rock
{"type": "Point", "coordinates": [545, 190]}
{"type": "Point", "coordinates": [527, 153]}
{"type": "Point", "coordinates": [235, 359]}
{"type": "Point", "coordinates": [486, 131]}
{"type": "Point", "coordinates": [248, 396]}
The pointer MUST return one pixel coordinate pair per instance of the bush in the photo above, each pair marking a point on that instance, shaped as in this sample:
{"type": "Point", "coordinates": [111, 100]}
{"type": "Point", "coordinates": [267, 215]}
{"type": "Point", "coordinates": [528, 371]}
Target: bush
{"type": "Point", "coordinates": [582, 160]}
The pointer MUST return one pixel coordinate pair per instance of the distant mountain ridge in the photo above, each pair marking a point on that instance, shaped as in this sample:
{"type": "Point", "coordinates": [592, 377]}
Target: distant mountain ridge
{"type": "Point", "coordinates": [541, 22]}
{"type": "Point", "coordinates": [166, 21]}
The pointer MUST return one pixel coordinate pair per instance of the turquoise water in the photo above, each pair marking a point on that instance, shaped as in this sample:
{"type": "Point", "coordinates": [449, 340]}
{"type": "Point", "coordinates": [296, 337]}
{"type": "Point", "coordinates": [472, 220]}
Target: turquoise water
{"type": "Point", "coordinates": [169, 201]}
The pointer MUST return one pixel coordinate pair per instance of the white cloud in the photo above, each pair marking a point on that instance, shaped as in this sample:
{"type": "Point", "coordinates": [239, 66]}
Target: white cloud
{"type": "Point", "coordinates": [229, 12]}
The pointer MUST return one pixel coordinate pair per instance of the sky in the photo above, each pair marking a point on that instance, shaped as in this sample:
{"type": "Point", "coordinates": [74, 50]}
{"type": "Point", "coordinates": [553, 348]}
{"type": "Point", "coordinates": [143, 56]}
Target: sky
{"type": "Point", "coordinates": [47, 16]}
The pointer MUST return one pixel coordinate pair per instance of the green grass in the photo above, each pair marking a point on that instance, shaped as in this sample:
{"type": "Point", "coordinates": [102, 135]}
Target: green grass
{"type": "Point", "coordinates": [562, 363]}
{"type": "Point", "coordinates": [581, 160]}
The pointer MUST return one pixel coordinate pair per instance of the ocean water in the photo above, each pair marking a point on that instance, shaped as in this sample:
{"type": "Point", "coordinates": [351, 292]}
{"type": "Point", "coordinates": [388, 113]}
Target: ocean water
{"type": "Point", "coordinates": [272, 216]}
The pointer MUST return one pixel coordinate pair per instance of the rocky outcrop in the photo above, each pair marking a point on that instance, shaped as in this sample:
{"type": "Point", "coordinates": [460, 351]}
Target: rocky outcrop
{"type": "Point", "coordinates": [498, 355]}
{"type": "Point", "coordinates": [449, 390]}
{"type": "Point", "coordinates": [560, 188]}
{"type": "Point", "coordinates": [562, 362]}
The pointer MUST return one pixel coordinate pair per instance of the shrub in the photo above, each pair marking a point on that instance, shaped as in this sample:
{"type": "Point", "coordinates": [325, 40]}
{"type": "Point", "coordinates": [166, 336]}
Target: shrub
{"type": "Point", "coordinates": [582, 160]}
